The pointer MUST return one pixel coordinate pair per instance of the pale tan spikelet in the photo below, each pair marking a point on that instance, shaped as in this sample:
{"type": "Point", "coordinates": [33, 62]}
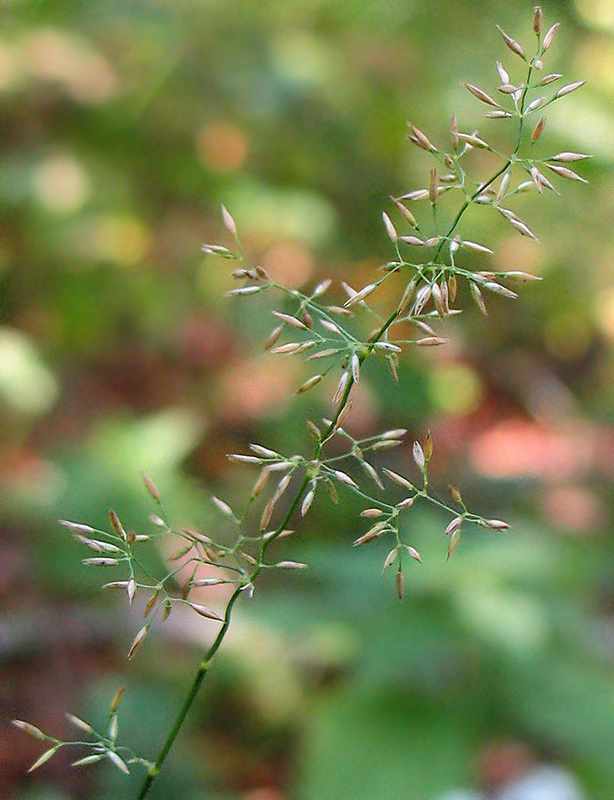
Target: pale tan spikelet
{"type": "Point", "coordinates": [239, 458]}
{"type": "Point", "coordinates": [513, 45]}
{"type": "Point", "coordinates": [273, 337]}
{"type": "Point", "coordinates": [420, 138]}
{"type": "Point", "coordinates": [309, 384]}
{"type": "Point", "coordinates": [371, 512]}
{"type": "Point", "coordinates": [550, 36]}
{"type": "Point", "coordinates": [478, 299]}
{"type": "Point", "coordinates": [454, 540]}
{"type": "Point", "coordinates": [217, 250]}
{"type": "Point", "coordinates": [330, 326]}
{"type": "Point", "coordinates": [423, 295]}
{"type": "Point", "coordinates": [539, 101]}
{"type": "Point", "coordinates": [290, 320]}
{"type": "Point", "coordinates": [30, 729]}
{"type": "Point", "coordinates": [77, 526]}
{"type": "Point", "coordinates": [398, 479]}
{"type": "Point", "coordinates": [307, 501]}
{"type": "Point", "coordinates": [308, 345]}
{"type": "Point", "coordinates": [245, 290]}
{"type": "Point", "coordinates": [521, 277]}
{"type": "Point", "coordinates": [400, 583]}
{"type": "Point", "coordinates": [364, 292]}
{"type": "Point", "coordinates": [138, 641]}
{"type": "Point", "coordinates": [538, 130]}
{"type": "Point", "coordinates": [331, 351]}
{"type": "Point", "coordinates": [433, 186]}
{"type": "Point", "coordinates": [373, 533]}
{"type": "Point", "coordinates": [118, 762]}
{"type": "Point", "coordinates": [390, 229]}
{"type": "Point", "coordinates": [44, 758]}
{"type": "Point", "coordinates": [390, 558]}
{"type": "Point", "coordinates": [567, 157]}
{"type": "Point", "coordinates": [454, 132]}
{"type": "Point", "coordinates": [507, 88]}
{"type": "Point", "coordinates": [86, 760]}
{"type": "Point", "coordinates": [341, 387]}
{"type": "Point", "coordinates": [565, 172]}
{"type": "Point", "coordinates": [203, 611]}
{"type": "Point", "coordinates": [261, 483]}
{"type": "Point", "coordinates": [453, 526]}
{"type": "Point", "coordinates": [229, 222]}
{"type": "Point", "coordinates": [495, 287]}
{"type": "Point", "coordinates": [344, 478]}
{"type": "Point", "coordinates": [570, 87]}
{"type": "Point", "coordinates": [223, 507]}
{"type": "Point", "coordinates": [480, 94]}
{"type": "Point", "coordinates": [79, 723]}
{"type": "Point", "coordinates": [503, 73]}
{"type": "Point", "coordinates": [476, 247]}
{"type": "Point", "coordinates": [321, 288]}
{"type": "Point", "coordinates": [417, 194]}
{"type": "Point", "coordinates": [151, 487]}
{"type": "Point", "coordinates": [474, 141]}
{"type": "Point", "coordinates": [307, 319]}
{"type": "Point", "coordinates": [452, 288]}
{"type": "Point", "coordinates": [386, 444]}
{"type": "Point", "coordinates": [372, 473]}
{"type": "Point", "coordinates": [455, 494]}
{"type": "Point", "coordinates": [391, 363]}
{"type": "Point", "coordinates": [100, 562]}
{"type": "Point", "coordinates": [116, 524]}
{"type": "Point", "coordinates": [281, 487]}
{"type": "Point", "coordinates": [430, 341]}
{"type": "Point", "coordinates": [414, 241]}
{"type": "Point", "coordinates": [494, 524]}
{"type": "Point", "coordinates": [551, 78]}
{"type": "Point", "coordinates": [414, 553]}
{"type": "Point", "coordinates": [342, 312]}
{"type": "Point", "coordinates": [418, 455]}
{"type": "Point", "coordinates": [388, 346]}
{"type": "Point", "coordinates": [287, 349]}
{"type": "Point", "coordinates": [405, 213]}
{"type": "Point", "coordinates": [500, 114]}
{"type": "Point", "coordinates": [290, 565]}
{"type": "Point", "coordinates": [267, 514]}
{"type": "Point", "coordinates": [537, 20]}
{"type": "Point", "coordinates": [407, 503]}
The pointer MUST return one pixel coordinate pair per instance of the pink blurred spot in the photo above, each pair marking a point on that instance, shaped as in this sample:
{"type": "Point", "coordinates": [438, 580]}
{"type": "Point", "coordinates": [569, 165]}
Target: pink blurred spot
{"type": "Point", "coordinates": [573, 509]}
{"type": "Point", "coordinates": [521, 448]}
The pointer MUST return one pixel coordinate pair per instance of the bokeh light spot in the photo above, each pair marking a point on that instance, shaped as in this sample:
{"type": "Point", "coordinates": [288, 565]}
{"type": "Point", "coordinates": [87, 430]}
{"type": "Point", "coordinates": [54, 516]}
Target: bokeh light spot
{"type": "Point", "coordinates": [567, 335]}
{"type": "Point", "coordinates": [597, 12]}
{"type": "Point", "coordinates": [573, 509]}
{"type": "Point", "coordinates": [61, 58]}
{"type": "Point", "coordinates": [455, 388]}
{"type": "Point", "coordinates": [221, 146]}
{"type": "Point", "coordinates": [25, 382]}
{"type": "Point", "coordinates": [61, 184]}
{"type": "Point", "coordinates": [290, 263]}
{"type": "Point", "coordinates": [121, 239]}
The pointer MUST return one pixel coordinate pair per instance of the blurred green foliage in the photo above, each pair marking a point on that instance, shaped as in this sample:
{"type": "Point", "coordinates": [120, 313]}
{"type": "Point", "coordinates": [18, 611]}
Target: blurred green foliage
{"type": "Point", "coordinates": [126, 125]}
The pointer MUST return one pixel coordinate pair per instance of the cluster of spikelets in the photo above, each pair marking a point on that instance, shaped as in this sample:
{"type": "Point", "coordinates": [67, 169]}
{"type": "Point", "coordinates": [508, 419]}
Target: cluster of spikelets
{"type": "Point", "coordinates": [430, 261]}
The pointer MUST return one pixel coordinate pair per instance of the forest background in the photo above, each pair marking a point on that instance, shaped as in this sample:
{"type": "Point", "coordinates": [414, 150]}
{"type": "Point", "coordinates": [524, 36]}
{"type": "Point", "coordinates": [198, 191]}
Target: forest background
{"type": "Point", "coordinates": [126, 124]}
